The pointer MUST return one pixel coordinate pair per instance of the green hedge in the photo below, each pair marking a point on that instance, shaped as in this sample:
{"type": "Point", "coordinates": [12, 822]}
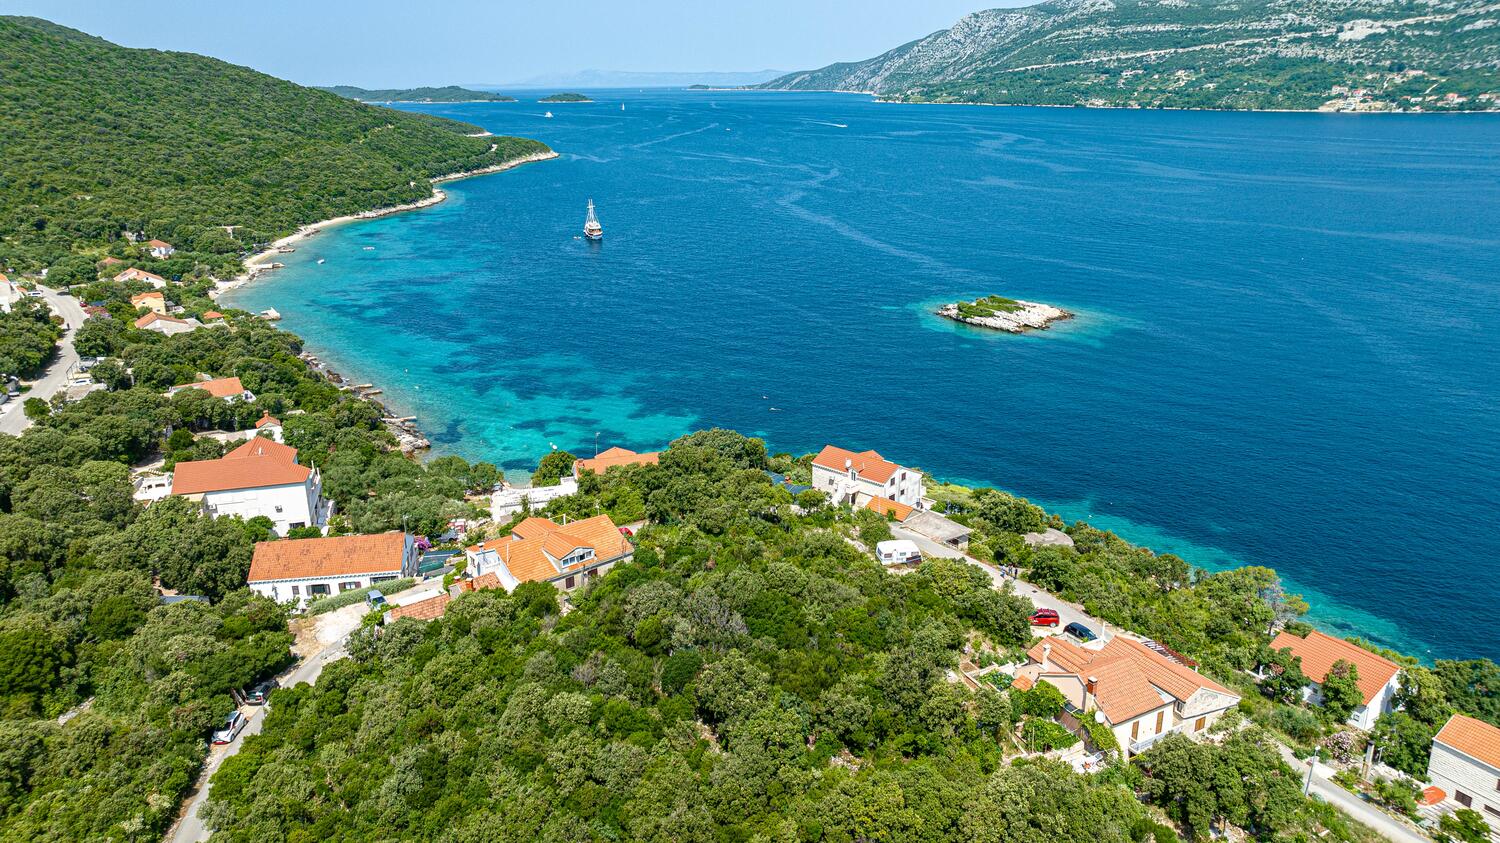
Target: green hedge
{"type": "Point", "coordinates": [349, 598]}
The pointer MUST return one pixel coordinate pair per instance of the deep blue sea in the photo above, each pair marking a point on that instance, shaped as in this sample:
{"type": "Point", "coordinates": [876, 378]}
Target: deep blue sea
{"type": "Point", "coordinates": [1287, 350]}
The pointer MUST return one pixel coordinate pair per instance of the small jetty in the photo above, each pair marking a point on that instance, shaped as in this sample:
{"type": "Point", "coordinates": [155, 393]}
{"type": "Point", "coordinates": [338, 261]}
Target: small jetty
{"type": "Point", "coordinates": [270, 314]}
{"type": "Point", "coordinates": [409, 437]}
{"type": "Point", "coordinates": [1002, 314]}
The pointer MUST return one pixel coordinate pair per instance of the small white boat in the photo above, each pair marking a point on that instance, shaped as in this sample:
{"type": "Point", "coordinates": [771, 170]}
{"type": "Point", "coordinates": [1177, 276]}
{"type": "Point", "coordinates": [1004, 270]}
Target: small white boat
{"type": "Point", "coordinates": [320, 260]}
{"type": "Point", "coordinates": [591, 227]}
{"type": "Point", "coordinates": [548, 115]}
{"type": "Point", "coordinates": [622, 106]}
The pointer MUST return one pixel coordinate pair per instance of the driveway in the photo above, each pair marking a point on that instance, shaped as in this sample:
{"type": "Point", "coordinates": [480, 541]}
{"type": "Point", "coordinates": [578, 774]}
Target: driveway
{"type": "Point", "coordinates": [13, 421]}
{"type": "Point", "coordinates": [1066, 612]}
{"type": "Point", "coordinates": [1384, 824]}
{"type": "Point", "coordinates": [190, 828]}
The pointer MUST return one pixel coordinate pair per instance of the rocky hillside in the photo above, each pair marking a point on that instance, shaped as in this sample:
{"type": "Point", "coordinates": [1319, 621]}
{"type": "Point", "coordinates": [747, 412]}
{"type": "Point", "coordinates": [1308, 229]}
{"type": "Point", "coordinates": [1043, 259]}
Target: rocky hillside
{"type": "Point", "coordinates": [1247, 54]}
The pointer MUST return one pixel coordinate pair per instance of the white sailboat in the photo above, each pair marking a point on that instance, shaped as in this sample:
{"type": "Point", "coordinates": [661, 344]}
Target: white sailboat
{"type": "Point", "coordinates": [591, 227]}
{"type": "Point", "coordinates": [548, 115]}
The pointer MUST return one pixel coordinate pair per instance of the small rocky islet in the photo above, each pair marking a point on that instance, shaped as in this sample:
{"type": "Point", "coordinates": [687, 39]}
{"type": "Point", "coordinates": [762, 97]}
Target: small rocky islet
{"type": "Point", "coordinates": [1003, 314]}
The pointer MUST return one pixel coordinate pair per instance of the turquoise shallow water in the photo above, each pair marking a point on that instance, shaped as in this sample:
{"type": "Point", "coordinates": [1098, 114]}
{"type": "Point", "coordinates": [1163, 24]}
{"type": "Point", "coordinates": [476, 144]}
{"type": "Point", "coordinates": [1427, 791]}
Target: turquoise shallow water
{"type": "Point", "coordinates": [1286, 351]}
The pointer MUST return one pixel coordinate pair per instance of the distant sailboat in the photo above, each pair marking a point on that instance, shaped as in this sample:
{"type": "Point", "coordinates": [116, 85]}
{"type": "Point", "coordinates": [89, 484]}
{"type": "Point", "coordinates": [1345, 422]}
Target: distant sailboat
{"type": "Point", "coordinates": [549, 115]}
{"type": "Point", "coordinates": [591, 227]}
{"type": "Point", "coordinates": [622, 106]}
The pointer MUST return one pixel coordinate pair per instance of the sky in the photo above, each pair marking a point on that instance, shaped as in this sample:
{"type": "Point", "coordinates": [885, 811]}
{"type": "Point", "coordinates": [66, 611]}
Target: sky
{"type": "Point", "coordinates": [400, 43]}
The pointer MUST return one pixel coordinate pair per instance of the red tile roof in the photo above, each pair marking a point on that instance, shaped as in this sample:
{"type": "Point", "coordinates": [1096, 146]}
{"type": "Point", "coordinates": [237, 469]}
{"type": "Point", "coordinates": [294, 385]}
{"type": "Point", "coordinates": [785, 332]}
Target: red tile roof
{"type": "Point", "coordinates": [612, 457]}
{"type": "Point", "coordinates": [159, 244]}
{"type": "Point", "coordinates": [111, 261]}
{"type": "Point", "coordinates": [154, 317]}
{"type": "Point", "coordinates": [423, 610]}
{"type": "Point", "coordinates": [139, 298]}
{"type": "Point", "coordinates": [265, 419]}
{"type": "Point", "coordinates": [260, 446]}
{"type": "Point", "coordinates": [331, 556]}
{"type": "Point", "coordinates": [886, 506]}
{"type": "Point", "coordinates": [536, 545]}
{"type": "Point", "coordinates": [254, 465]}
{"type": "Point", "coordinates": [134, 274]}
{"type": "Point", "coordinates": [1474, 738]}
{"type": "Point", "coordinates": [212, 314]}
{"type": "Point", "coordinates": [217, 387]}
{"type": "Point", "coordinates": [1319, 652]}
{"type": "Point", "coordinates": [1131, 676]}
{"type": "Point", "coordinates": [869, 465]}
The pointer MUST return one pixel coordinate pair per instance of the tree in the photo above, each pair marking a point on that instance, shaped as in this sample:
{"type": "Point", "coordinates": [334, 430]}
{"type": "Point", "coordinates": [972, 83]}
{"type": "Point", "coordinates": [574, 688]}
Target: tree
{"type": "Point", "coordinates": [1404, 742]}
{"type": "Point", "coordinates": [36, 409]}
{"type": "Point", "coordinates": [1041, 700]}
{"type": "Point", "coordinates": [1284, 680]}
{"type": "Point", "coordinates": [1341, 693]}
{"type": "Point", "coordinates": [1466, 825]}
{"type": "Point", "coordinates": [1423, 696]}
{"type": "Point", "coordinates": [553, 467]}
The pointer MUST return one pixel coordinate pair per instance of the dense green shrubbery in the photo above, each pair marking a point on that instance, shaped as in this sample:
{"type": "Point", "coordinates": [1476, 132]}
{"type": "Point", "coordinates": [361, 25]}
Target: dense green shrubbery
{"type": "Point", "coordinates": [349, 598]}
{"type": "Point", "coordinates": [28, 335]}
{"type": "Point", "coordinates": [101, 140]}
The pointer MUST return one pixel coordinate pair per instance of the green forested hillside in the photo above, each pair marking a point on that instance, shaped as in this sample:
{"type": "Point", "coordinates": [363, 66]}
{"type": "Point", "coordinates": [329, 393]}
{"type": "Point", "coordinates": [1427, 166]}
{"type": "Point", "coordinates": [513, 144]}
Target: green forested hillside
{"type": "Point", "coordinates": [449, 93]}
{"type": "Point", "coordinates": [1362, 55]}
{"type": "Point", "coordinates": [99, 140]}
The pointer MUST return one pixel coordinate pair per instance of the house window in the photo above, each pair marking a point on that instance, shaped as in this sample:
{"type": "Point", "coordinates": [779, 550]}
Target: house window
{"type": "Point", "coordinates": [317, 589]}
{"type": "Point", "coordinates": [278, 508]}
{"type": "Point", "coordinates": [568, 583]}
{"type": "Point", "coordinates": [296, 591]}
{"type": "Point", "coordinates": [1489, 809]}
{"type": "Point", "coordinates": [1159, 716]}
{"type": "Point", "coordinates": [1463, 799]}
{"type": "Point", "coordinates": [297, 525]}
{"type": "Point", "coordinates": [1135, 730]}
{"type": "Point", "coordinates": [349, 585]}
{"type": "Point", "coordinates": [1198, 726]}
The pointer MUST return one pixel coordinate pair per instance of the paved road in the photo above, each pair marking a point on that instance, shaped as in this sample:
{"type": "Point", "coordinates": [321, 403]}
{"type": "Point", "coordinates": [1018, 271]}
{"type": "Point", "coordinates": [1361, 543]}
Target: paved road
{"type": "Point", "coordinates": [190, 828]}
{"type": "Point", "coordinates": [1362, 811]}
{"type": "Point", "coordinates": [1066, 612]}
{"type": "Point", "coordinates": [13, 420]}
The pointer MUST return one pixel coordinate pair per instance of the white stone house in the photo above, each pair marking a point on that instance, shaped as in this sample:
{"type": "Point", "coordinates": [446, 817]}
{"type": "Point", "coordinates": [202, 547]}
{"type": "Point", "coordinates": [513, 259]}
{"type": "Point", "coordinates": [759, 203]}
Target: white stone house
{"type": "Point", "coordinates": [160, 249]}
{"type": "Point", "coordinates": [510, 500]}
{"type": "Point", "coordinates": [268, 425]}
{"type": "Point", "coordinates": [1379, 678]}
{"type": "Point", "coordinates": [854, 479]}
{"type": "Point", "coordinates": [293, 570]}
{"type": "Point", "coordinates": [1465, 765]}
{"type": "Point", "coordinates": [169, 325]}
{"type": "Point", "coordinates": [134, 274]}
{"type": "Point", "coordinates": [260, 477]}
{"type": "Point", "coordinates": [1140, 690]}
{"type": "Point", "coordinates": [538, 550]}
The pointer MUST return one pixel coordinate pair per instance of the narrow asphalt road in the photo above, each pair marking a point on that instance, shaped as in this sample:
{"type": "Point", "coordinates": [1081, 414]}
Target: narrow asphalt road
{"type": "Point", "coordinates": [12, 420]}
{"type": "Point", "coordinates": [190, 828]}
{"type": "Point", "coordinates": [1066, 612]}
{"type": "Point", "coordinates": [1360, 810]}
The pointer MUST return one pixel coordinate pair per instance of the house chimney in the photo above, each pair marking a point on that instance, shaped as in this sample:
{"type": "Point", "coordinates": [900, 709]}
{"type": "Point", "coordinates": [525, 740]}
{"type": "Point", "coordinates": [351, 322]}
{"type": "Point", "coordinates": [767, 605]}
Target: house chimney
{"type": "Point", "coordinates": [1090, 689]}
{"type": "Point", "coordinates": [1046, 654]}
{"type": "Point", "coordinates": [848, 464]}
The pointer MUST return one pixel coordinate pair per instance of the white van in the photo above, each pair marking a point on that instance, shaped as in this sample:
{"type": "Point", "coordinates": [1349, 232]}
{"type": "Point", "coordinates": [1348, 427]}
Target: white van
{"type": "Point", "coordinates": [898, 552]}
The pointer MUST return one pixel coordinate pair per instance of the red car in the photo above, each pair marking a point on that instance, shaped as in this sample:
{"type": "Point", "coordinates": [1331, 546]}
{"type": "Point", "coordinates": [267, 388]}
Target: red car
{"type": "Point", "coordinates": [1045, 617]}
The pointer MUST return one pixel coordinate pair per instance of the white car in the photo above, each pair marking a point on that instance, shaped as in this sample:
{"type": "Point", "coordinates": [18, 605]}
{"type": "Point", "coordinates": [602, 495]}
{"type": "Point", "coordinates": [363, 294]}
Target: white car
{"type": "Point", "coordinates": [233, 725]}
{"type": "Point", "coordinates": [898, 552]}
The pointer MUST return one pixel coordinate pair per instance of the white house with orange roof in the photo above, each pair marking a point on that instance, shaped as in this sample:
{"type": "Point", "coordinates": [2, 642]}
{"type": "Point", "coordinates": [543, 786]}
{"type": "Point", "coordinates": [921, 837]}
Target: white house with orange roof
{"type": "Point", "coordinates": [226, 389]}
{"type": "Point", "coordinates": [567, 555]}
{"type": "Point", "coordinates": [168, 325]}
{"type": "Point", "coordinates": [1141, 690]}
{"type": "Point", "coordinates": [612, 457]}
{"type": "Point", "coordinates": [152, 300]}
{"type": "Point", "coordinates": [1379, 678]}
{"type": "Point", "coordinates": [134, 274]}
{"type": "Point", "coordinates": [294, 570]}
{"type": "Point", "coordinates": [855, 479]}
{"type": "Point", "coordinates": [268, 426]}
{"type": "Point", "coordinates": [160, 249]}
{"type": "Point", "coordinates": [1465, 765]}
{"type": "Point", "coordinates": [260, 477]}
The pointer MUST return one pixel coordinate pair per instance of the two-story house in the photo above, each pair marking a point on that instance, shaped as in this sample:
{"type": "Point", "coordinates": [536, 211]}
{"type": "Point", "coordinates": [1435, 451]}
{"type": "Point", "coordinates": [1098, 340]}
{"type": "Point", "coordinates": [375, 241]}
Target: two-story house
{"type": "Point", "coordinates": [1141, 690]}
{"type": "Point", "coordinates": [160, 249]}
{"type": "Point", "coordinates": [294, 570]}
{"type": "Point", "coordinates": [260, 477]}
{"type": "Point", "coordinates": [610, 458]}
{"type": "Point", "coordinates": [1465, 765]}
{"type": "Point", "coordinates": [538, 550]}
{"type": "Point", "coordinates": [134, 274]}
{"type": "Point", "coordinates": [152, 300]}
{"type": "Point", "coordinates": [1379, 678]}
{"type": "Point", "coordinates": [854, 479]}
{"type": "Point", "coordinates": [225, 389]}
{"type": "Point", "coordinates": [169, 325]}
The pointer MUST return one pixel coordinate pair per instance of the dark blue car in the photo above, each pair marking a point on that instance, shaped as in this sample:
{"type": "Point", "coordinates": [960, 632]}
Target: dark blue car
{"type": "Point", "coordinates": [1079, 631]}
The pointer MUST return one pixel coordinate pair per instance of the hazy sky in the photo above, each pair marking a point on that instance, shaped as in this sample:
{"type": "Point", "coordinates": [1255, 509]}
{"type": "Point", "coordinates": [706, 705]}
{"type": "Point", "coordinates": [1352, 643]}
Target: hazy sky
{"type": "Point", "coordinates": [385, 43]}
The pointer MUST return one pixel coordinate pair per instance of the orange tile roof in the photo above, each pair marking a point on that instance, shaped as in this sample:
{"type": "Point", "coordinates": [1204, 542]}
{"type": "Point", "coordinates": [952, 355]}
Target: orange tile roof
{"type": "Point", "coordinates": [134, 274]}
{"type": "Point", "coordinates": [484, 581]}
{"type": "Point", "coordinates": [260, 446]}
{"type": "Point", "coordinates": [159, 244]}
{"type": "Point", "coordinates": [154, 317]}
{"type": "Point", "coordinates": [218, 387]}
{"type": "Point", "coordinates": [212, 314]}
{"type": "Point", "coordinates": [1023, 683]}
{"type": "Point", "coordinates": [1474, 738]}
{"type": "Point", "coordinates": [1129, 674]}
{"type": "Point", "coordinates": [869, 465]}
{"type": "Point", "coordinates": [139, 298]}
{"type": "Point", "coordinates": [886, 506]}
{"type": "Point", "coordinates": [533, 528]}
{"type": "Point", "coordinates": [535, 546]}
{"type": "Point", "coordinates": [256, 464]}
{"type": "Point", "coordinates": [1319, 651]}
{"type": "Point", "coordinates": [330, 556]}
{"type": "Point", "coordinates": [265, 419]}
{"type": "Point", "coordinates": [613, 457]}
{"type": "Point", "coordinates": [423, 610]}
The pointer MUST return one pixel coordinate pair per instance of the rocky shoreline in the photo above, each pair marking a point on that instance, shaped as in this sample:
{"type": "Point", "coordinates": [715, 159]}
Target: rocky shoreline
{"type": "Point", "coordinates": [408, 435]}
{"type": "Point", "coordinates": [1010, 315]}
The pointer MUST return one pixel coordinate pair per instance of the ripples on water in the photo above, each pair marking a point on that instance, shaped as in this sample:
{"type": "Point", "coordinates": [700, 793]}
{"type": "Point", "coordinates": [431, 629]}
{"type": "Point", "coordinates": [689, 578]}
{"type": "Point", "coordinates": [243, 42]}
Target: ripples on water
{"type": "Point", "coordinates": [1286, 353]}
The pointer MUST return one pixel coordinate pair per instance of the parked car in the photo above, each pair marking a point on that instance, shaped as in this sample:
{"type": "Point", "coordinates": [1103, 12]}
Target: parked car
{"type": "Point", "coordinates": [627, 532]}
{"type": "Point", "coordinates": [233, 725]}
{"type": "Point", "coordinates": [1079, 631]}
{"type": "Point", "coordinates": [261, 692]}
{"type": "Point", "coordinates": [1045, 617]}
{"type": "Point", "coordinates": [375, 599]}
{"type": "Point", "coordinates": [898, 552]}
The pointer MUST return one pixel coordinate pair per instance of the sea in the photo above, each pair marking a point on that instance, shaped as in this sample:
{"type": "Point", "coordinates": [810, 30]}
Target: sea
{"type": "Point", "coordinates": [1286, 348]}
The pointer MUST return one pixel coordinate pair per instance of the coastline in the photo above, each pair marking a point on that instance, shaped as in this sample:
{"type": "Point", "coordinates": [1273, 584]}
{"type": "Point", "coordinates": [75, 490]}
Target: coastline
{"type": "Point", "coordinates": [262, 262]}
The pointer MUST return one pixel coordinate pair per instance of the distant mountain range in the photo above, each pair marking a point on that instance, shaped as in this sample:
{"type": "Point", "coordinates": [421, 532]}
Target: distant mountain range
{"type": "Point", "coordinates": [644, 79]}
{"type": "Point", "coordinates": [451, 93]}
{"type": "Point", "coordinates": [1364, 55]}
